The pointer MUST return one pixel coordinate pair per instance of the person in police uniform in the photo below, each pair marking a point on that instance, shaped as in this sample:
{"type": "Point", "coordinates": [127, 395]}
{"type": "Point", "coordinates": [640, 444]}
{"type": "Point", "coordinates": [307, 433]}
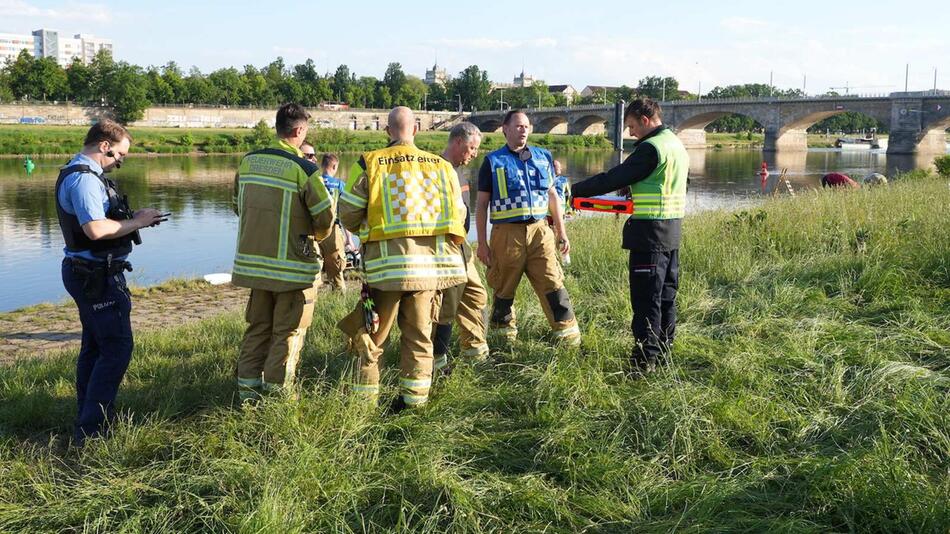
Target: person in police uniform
{"type": "Point", "coordinates": [406, 205]}
{"type": "Point", "coordinates": [284, 210]}
{"type": "Point", "coordinates": [655, 173]}
{"type": "Point", "coordinates": [516, 184]}
{"type": "Point", "coordinates": [99, 229]}
{"type": "Point", "coordinates": [465, 303]}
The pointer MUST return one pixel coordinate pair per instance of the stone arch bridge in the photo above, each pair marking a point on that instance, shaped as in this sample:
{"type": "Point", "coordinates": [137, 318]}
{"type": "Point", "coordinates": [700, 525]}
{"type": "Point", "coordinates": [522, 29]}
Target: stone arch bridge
{"type": "Point", "coordinates": [917, 121]}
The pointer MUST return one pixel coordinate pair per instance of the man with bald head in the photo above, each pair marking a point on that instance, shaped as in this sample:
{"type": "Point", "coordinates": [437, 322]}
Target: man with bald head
{"type": "Point", "coordinates": [407, 207]}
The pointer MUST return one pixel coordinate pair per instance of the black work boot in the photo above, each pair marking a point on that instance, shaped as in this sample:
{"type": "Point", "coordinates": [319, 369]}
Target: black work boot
{"type": "Point", "coordinates": [398, 405]}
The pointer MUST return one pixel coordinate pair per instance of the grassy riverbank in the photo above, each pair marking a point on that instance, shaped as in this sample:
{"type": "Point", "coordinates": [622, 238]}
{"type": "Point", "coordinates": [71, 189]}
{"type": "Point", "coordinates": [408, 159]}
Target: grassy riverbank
{"type": "Point", "coordinates": [809, 392]}
{"type": "Point", "coordinates": [64, 140]}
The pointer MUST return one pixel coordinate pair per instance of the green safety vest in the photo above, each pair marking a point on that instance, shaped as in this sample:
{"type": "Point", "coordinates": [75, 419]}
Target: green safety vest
{"type": "Point", "coordinates": [662, 195]}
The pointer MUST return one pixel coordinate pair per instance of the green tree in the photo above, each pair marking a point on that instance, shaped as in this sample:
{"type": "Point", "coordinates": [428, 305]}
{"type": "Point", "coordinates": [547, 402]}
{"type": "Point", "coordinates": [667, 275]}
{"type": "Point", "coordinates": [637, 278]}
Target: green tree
{"type": "Point", "coordinates": [198, 90]}
{"type": "Point", "coordinates": [258, 91]}
{"type": "Point", "coordinates": [658, 87]}
{"type": "Point", "coordinates": [102, 67]}
{"type": "Point", "coordinates": [158, 89]}
{"type": "Point", "coordinates": [436, 97]}
{"type": "Point", "coordinates": [20, 74]}
{"type": "Point", "coordinates": [382, 99]}
{"type": "Point", "coordinates": [6, 93]}
{"type": "Point", "coordinates": [412, 93]}
{"type": "Point", "coordinates": [230, 87]}
{"type": "Point", "coordinates": [342, 80]}
{"type": "Point", "coordinates": [79, 79]}
{"type": "Point", "coordinates": [472, 85]}
{"type": "Point", "coordinates": [51, 79]}
{"type": "Point", "coordinates": [128, 93]}
{"type": "Point", "coordinates": [395, 79]}
{"type": "Point", "coordinates": [175, 78]}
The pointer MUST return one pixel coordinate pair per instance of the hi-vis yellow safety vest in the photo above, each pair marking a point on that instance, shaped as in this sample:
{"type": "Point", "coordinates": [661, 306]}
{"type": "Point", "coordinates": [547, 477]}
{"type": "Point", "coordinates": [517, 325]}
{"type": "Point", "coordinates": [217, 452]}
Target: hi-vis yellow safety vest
{"type": "Point", "coordinates": [284, 207]}
{"type": "Point", "coordinates": [662, 195]}
{"type": "Point", "coordinates": [412, 193]}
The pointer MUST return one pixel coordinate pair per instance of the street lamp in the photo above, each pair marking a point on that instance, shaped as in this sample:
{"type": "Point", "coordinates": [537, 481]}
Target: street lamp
{"type": "Point", "coordinates": [501, 100]}
{"type": "Point", "coordinates": [460, 101]}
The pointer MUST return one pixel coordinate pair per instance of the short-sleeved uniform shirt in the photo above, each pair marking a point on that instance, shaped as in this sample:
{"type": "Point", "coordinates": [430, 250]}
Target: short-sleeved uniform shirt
{"type": "Point", "coordinates": [84, 195]}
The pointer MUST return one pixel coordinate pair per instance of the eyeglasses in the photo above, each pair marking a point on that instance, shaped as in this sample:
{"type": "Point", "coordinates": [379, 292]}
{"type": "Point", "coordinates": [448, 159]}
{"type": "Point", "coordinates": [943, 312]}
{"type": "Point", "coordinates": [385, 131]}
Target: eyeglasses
{"type": "Point", "coordinates": [310, 156]}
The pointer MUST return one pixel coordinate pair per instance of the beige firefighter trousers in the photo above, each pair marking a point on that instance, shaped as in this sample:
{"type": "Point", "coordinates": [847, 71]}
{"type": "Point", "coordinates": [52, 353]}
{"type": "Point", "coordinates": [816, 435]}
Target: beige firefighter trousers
{"type": "Point", "coordinates": [528, 249]}
{"type": "Point", "coordinates": [414, 312]}
{"type": "Point", "coordinates": [465, 304]}
{"type": "Point", "coordinates": [277, 325]}
{"type": "Point", "coordinates": [334, 258]}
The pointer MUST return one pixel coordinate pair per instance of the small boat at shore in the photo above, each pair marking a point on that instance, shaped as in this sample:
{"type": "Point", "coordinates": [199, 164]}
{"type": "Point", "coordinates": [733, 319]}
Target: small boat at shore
{"type": "Point", "coordinates": [860, 143]}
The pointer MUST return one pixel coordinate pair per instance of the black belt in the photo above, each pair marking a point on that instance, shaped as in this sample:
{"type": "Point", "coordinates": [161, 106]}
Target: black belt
{"type": "Point", "coordinates": [530, 221]}
{"type": "Point", "coordinates": [110, 268]}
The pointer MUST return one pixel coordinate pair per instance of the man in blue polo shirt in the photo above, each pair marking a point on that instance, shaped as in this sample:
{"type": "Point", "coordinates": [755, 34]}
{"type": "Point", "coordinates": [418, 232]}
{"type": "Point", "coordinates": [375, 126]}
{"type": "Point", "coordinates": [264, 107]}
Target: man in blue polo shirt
{"type": "Point", "coordinates": [99, 230]}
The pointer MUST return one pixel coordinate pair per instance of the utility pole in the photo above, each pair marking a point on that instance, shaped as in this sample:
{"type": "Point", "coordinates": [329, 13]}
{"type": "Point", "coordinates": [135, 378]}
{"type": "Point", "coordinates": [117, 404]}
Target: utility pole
{"type": "Point", "coordinates": [906, 76]}
{"type": "Point", "coordinates": [804, 83]}
{"type": "Point", "coordinates": [700, 90]}
{"type": "Point", "coordinates": [501, 100]}
{"type": "Point", "coordinates": [605, 95]}
{"type": "Point", "coordinates": [663, 93]}
{"type": "Point", "coordinates": [771, 92]}
{"type": "Point", "coordinates": [935, 80]}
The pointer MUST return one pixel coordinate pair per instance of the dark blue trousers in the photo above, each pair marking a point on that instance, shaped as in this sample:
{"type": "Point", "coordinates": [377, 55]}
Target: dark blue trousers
{"type": "Point", "coordinates": [106, 348]}
{"type": "Point", "coordinates": [654, 279]}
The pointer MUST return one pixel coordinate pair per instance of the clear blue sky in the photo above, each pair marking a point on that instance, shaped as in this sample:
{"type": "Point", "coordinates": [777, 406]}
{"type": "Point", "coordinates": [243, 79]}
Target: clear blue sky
{"type": "Point", "coordinates": [866, 44]}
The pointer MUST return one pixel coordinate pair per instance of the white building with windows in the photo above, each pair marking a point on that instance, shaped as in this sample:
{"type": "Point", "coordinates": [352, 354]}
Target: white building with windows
{"type": "Point", "coordinates": [51, 43]}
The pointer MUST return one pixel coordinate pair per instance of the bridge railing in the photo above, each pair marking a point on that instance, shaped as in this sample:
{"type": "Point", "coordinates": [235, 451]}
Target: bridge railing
{"type": "Point", "coordinates": [703, 102]}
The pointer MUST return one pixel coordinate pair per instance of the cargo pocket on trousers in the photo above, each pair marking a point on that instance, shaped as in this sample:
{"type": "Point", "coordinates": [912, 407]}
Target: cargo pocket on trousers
{"type": "Point", "coordinates": [308, 298]}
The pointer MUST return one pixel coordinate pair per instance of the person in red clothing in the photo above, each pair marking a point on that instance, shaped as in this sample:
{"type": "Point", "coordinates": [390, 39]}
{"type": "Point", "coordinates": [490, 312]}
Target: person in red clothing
{"type": "Point", "coordinates": [836, 179]}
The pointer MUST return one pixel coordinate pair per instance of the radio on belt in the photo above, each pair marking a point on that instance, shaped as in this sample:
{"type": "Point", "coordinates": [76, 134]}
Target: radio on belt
{"type": "Point", "coordinates": [603, 204]}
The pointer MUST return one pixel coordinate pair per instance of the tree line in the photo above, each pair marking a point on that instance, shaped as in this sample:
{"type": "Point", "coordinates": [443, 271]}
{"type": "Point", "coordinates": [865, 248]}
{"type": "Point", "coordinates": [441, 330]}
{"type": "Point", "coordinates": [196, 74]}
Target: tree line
{"type": "Point", "coordinates": [130, 89]}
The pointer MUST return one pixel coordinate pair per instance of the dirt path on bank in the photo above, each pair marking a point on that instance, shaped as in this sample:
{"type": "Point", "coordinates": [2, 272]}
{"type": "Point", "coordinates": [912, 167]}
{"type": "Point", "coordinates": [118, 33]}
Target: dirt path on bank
{"type": "Point", "coordinates": [39, 330]}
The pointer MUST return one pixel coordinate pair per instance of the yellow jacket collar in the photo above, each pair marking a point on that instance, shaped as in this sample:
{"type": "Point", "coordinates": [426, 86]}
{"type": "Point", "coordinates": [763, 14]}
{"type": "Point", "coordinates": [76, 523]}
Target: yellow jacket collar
{"type": "Point", "coordinates": [280, 144]}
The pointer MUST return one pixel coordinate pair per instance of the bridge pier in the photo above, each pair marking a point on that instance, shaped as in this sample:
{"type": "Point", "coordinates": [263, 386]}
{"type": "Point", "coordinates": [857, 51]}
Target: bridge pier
{"type": "Point", "coordinates": [915, 142]}
{"type": "Point", "coordinates": [790, 140]}
{"type": "Point", "coordinates": [692, 137]}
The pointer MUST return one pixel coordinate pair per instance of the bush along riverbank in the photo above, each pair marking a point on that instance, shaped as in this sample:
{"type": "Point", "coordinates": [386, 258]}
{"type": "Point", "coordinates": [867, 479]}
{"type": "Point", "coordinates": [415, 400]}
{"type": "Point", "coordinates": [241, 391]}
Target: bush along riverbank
{"type": "Point", "coordinates": [64, 140]}
{"type": "Point", "coordinates": [808, 391]}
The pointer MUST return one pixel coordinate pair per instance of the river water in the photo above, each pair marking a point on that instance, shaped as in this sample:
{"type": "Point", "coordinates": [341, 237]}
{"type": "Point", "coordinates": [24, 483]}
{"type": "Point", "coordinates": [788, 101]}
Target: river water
{"type": "Point", "coordinates": [199, 238]}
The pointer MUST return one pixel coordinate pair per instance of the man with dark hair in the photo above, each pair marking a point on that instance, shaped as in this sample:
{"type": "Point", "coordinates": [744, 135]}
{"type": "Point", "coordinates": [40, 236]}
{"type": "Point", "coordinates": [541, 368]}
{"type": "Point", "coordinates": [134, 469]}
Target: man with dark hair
{"type": "Point", "coordinates": [517, 183]}
{"type": "Point", "coordinates": [284, 209]}
{"type": "Point", "coordinates": [656, 174]}
{"type": "Point", "coordinates": [465, 303]}
{"type": "Point", "coordinates": [99, 230]}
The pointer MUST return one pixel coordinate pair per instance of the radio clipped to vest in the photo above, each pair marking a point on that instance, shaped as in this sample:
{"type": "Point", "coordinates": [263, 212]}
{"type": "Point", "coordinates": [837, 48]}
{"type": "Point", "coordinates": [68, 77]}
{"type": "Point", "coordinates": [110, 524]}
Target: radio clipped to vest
{"type": "Point", "coordinates": [73, 234]}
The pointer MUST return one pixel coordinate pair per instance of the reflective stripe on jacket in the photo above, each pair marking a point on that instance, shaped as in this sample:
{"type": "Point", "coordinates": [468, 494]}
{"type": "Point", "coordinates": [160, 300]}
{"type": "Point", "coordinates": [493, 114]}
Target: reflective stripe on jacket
{"type": "Point", "coordinates": [284, 209]}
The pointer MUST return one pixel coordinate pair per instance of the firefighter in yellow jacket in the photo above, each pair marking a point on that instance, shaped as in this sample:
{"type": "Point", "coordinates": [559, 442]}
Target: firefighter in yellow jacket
{"type": "Point", "coordinates": [284, 210]}
{"type": "Point", "coordinates": [407, 206]}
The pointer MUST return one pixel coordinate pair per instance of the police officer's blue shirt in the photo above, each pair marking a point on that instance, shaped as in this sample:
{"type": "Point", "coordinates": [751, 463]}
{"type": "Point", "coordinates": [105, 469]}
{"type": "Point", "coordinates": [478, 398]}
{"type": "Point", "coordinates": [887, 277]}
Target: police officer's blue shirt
{"type": "Point", "coordinates": [84, 195]}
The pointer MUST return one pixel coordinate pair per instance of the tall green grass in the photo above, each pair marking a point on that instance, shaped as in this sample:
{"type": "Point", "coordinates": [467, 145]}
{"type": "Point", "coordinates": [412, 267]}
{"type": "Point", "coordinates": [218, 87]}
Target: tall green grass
{"type": "Point", "coordinates": [808, 392]}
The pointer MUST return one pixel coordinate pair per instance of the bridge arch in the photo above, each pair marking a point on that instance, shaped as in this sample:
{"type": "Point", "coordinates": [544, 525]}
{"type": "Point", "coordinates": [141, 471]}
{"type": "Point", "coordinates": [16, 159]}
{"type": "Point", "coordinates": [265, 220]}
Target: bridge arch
{"type": "Point", "coordinates": [588, 125]}
{"type": "Point", "coordinates": [489, 125]}
{"type": "Point", "coordinates": [557, 124]}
